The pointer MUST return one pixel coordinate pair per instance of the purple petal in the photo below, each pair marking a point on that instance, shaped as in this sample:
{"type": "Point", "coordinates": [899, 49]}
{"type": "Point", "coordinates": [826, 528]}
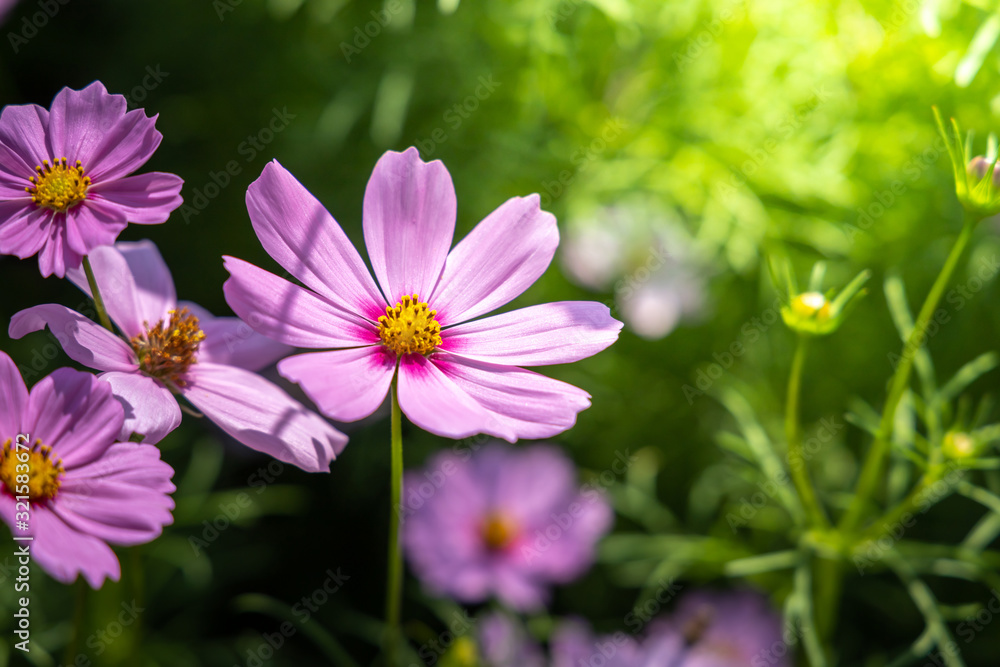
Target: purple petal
{"type": "Point", "coordinates": [135, 284]}
{"type": "Point", "coordinates": [436, 403]}
{"type": "Point", "coordinates": [521, 404]}
{"type": "Point", "coordinates": [79, 123]}
{"type": "Point", "coordinates": [23, 130]}
{"type": "Point", "coordinates": [305, 240]}
{"type": "Point", "coordinates": [533, 483]}
{"type": "Point", "coordinates": [150, 409]}
{"type": "Point", "coordinates": [64, 553]}
{"type": "Point", "coordinates": [92, 225]}
{"type": "Point", "coordinates": [24, 228]}
{"type": "Point", "coordinates": [143, 199]}
{"type": "Point", "coordinates": [345, 385]}
{"type": "Point", "coordinates": [551, 333]}
{"type": "Point", "coordinates": [13, 398]}
{"type": "Point", "coordinates": [499, 259]}
{"type": "Point", "coordinates": [83, 340]}
{"type": "Point", "coordinates": [126, 147]}
{"type": "Point", "coordinates": [121, 498]}
{"type": "Point", "coordinates": [231, 342]}
{"type": "Point", "coordinates": [409, 222]}
{"type": "Point", "coordinates": [55, 255]}
{"type": "Point", "coordinates": [291, 314]}
{"type": "Point", "coordinates": [260, 415]}
{"type": "Point", "coordinates": [74, 413]}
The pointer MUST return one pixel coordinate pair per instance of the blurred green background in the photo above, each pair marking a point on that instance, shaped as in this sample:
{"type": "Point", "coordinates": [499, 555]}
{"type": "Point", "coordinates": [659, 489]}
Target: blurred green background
{"type": "Point", "coordinates": [759, 127]}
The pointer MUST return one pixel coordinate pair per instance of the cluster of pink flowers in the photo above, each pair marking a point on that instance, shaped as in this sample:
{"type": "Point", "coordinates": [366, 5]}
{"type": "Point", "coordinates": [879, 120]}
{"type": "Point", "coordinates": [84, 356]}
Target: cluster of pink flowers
{"type": "Point", "coordinates": [67, 192]}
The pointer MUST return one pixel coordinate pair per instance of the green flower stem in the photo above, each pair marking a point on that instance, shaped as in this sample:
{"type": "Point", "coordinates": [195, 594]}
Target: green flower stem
{"type": "Point", "coordinates": [102, 312]}
{"type": "Point", "coordinates": [797, 462]}
{"type": "Point", "coordinates": [79, 617]}
{"type": "Point", "coordinates": [871, 473]}
{"type": "Point", "coordinates": [394, 577]}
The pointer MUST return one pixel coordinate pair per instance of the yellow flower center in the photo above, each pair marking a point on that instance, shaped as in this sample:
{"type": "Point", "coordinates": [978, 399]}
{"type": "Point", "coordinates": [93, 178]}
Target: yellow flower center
{"type": "Point", "coordinates": [166, 351]}
{"type": "Point", "coordinates": [498, 532]}
{"type": "Point", "coordinates": [34, 473]}
{"type": "Point", "coordinates": [410, 327]}
{"type": "Point", "coordinates": [811, 304]}
{"type": "Point", "coordinates": [58, 186]}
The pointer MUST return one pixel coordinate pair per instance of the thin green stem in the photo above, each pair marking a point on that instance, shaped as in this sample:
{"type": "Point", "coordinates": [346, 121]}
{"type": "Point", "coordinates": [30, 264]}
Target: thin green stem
{"type": "Point", "coordinates": [102, 312]}
{"type": "Point", "coordinates": [79, 615]}
{"type": "Point", "coordinates": [871, 472]}
{"type": "Point", "coordinates": [394, 583]}
{"type": "Point", "coordinates": [796, 458]}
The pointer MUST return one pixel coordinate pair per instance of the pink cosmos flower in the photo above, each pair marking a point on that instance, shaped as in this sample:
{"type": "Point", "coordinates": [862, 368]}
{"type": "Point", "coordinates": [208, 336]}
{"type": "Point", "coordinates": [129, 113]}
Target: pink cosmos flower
{"type": "Point", "coordinates": [456, 377]}
{"type": "Point", "coordinates": [504, 642]}
{"type": "Point", "coordinates": [574, 644]}
{"type": "Point", "coordinates": [506, 522]}
{"type": "Point", "coordinates": [64, 184]}
{"type": "Point", "coordinates": [85, 490]}
{"type": "Point", "coordinates": [169, 348]}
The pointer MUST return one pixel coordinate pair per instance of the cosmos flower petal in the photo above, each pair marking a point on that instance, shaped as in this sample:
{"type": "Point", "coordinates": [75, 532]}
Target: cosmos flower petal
{"type": "Point", "coordinates": [550, 333]}
{"type": "Point", "coordinates": [92, 225]}
{"type": "Point", "coordinates": [135, 284]}
{"type": "Point", "coordinates": [82, 339]}
{"type": "Point", "coordinates": [65, 553]}
{"type": "Point", "coordinates": [79, 121]}
{"type": "Point", "coordinates": [76, 411]}
{"type": "Point", "coordinates": [126, 146]}
{"type": "Point", "coordinates": [150, 409]}
{"type": "Point", "coordinates": [499, 259]}
{"type": "Point", "coordinates": [278, 309]}
{"type": "Point", "coordinates": [13, 397]}
{"type": "Point", "coordinates": [299, 233]}
{"type": "Point", "coordinates": [92, 500]}
{"type": "Point", "coordinates": [24, 229]}
{"type": "Point", "coordinates": [262, 416]}
{"type": "Point", "coordinates": [231, 341]}
{"type": "Point", "coordinates": [345, 385]}
{"type": "Point", "coordinates": [519, 590]}
{"type": "Point", "coordinates": [409, 222]}
{"type": "Point", "coordinates": [23, 130]}
{"type": "Point", "coordinates": [55, 255]}
{"type": "Point", "coordinates": [522, 403]}
{"type": "Point", "coordinates": [143, 199]}
{"type": "Point", "coordinates": [436, 403]}
{"type": "Point", "coordinates": [534, 483]}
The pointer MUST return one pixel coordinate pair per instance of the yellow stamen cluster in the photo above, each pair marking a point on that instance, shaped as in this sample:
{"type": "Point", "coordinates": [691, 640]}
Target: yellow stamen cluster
{"type": "Point", "coordinates": [39, 473]}
{"type": "Point", "coordinates": [58, 186]}
{"type": "Point", "coordinates": [410, 327]}
{"type": "Point", "coordinates": [811, 304]}
{"type": "Point", "coordinates": [166, 352]}
{"type": "Point", "coordinates": [498, 532]}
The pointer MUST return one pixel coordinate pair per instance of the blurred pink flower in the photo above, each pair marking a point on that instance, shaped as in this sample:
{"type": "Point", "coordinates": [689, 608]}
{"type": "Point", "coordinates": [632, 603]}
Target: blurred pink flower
{"type": "Point", "coordinates": [64, 184]}
{"type": "Point", "coordinates": [169, 347]}
{"type": "Point", "coordinates": [506, 522]}
{"type": "Point", "coordinates": [454, 379]}
{"type": "Point", "coordinates": [85, 490]}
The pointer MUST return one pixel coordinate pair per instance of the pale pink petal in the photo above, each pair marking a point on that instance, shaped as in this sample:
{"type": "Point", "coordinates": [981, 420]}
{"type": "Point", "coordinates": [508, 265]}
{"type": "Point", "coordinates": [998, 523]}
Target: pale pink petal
{"type": "Point", "coordinates": [298, 232]}
{"type": "Point", "coordinates": [24, 228]}
{"type": "Point", "coordinates": [55, 256]}
{"type": "Point", "coordinates": [230, 341]}
{"type": "Point", "coordinates": [94, 225]}
{"type": "Point", "coordinates": [291, 314]}
{"type": "Point", "coordinates": [523, 404]}
{"type": "Point", "coordinates": [142, 199]}
{"type": "Point", "coordinates": [120, 498]}
{"type": "Point", "coordinates": [13, 398]}
{"type": "Point", "coordinates": [260, 415]}
{"type": "Point", "coordinates": [499, 259]}
{"type": "Point", "coordinates": [74, 413]}
{"type": "Point", "coordinates": [550, 333]}
{"type": "Point", "coordinates": [64, 553]}
{"type": "Point", "coordinates": [435, 403]}
{"type": "Point", "coordinates": [23, 130]}
{"type": "Point", "coordinates": [519, 590]}
{"type": "Point", "coordinates": [135, 284]}
{"type": "Point", "coordinates": [82, 339]}
{"type": "Point", "coordinates": [126, 147]}
{"type": "Point", "coordinates": [345, 385]}
{"type": "Point", "coordinates": [80, 120]}
{"type": "Point", "coordinates": [409, 222]}
{"type": "Point", "coordinates": [150, 409]}
{"type": "Point", "coordinates": [533, 483]}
